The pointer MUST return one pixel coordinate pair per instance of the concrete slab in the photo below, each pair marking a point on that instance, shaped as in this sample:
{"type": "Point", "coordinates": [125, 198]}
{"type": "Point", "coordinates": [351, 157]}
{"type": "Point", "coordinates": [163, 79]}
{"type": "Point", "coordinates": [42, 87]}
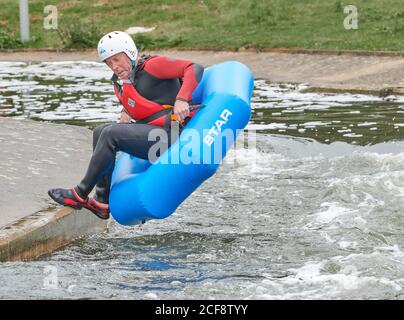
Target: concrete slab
{"type": "Point", "coordinates": [35, 156]}
{"type": "Point", "coordinates": [45, 231]}
{"type": "Point", "coordinates": [369, 73]}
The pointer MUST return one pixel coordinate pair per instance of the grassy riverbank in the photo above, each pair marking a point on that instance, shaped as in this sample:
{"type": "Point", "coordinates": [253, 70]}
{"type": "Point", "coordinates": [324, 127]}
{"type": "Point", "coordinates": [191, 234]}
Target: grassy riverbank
{"type": "Point", "coordinates": [213, 24]}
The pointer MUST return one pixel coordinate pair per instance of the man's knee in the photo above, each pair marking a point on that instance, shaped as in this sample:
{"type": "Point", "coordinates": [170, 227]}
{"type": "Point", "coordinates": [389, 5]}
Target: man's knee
{"type": "Point", "coordinates": [112, 134]}
{"type": "Point", "coordinates": [97, 131]}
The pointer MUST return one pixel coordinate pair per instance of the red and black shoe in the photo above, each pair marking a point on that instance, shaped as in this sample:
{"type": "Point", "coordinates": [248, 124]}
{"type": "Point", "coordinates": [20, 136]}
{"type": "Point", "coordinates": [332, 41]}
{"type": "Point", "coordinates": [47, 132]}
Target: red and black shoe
{"type": "Point", "coordinates": [67, 197]}
{"type": "Point", "coordinates": [101, 210]}
{"type": "Point", "coordinates": [70, 198]}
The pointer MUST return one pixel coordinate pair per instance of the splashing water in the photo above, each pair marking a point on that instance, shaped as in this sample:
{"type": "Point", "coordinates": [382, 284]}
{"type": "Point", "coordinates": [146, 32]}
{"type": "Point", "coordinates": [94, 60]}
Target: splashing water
{"type": "Point", "coordinates": [314, 211]}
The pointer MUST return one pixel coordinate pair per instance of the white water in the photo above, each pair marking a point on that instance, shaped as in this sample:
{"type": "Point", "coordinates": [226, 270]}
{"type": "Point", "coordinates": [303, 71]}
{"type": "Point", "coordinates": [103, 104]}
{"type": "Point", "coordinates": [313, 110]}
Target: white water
{"type": "Point", "coordinates": [298, 217]}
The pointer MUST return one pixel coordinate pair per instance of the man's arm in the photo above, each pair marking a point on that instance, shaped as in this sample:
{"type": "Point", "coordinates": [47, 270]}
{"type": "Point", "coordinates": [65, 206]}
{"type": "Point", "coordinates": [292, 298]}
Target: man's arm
{"type": "Point", "coordinates": [125, 117]}
{"type": "Point", "coordinates": [189, 72]}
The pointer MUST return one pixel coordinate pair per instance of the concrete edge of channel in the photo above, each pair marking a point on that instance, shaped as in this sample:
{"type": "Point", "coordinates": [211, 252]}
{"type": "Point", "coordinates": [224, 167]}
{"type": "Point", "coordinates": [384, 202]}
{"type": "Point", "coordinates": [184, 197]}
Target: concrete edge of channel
{"type": "Point", "coordinates": [45, 231]}
{"type": "Point", "coordinates": [383, 92]}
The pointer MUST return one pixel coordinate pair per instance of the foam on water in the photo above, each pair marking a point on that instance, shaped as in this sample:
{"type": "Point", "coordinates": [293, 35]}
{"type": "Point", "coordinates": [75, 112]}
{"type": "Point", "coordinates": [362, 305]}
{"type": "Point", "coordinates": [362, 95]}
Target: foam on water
{"type": "Point", "coordinates": [293, 111]}
{"type": "Point", "coordinates": [58, 91]}
{"type": "Point", "coordinates": [275, 244]}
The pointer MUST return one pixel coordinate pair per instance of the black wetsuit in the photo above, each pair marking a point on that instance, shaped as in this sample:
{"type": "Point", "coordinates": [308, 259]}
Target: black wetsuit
{"type": "Point", "coordinates": [161, 80]}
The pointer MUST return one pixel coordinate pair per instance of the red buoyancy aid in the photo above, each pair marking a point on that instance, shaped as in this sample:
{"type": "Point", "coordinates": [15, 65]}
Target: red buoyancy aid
{"type": "Point", "coordinates": [140, 108]}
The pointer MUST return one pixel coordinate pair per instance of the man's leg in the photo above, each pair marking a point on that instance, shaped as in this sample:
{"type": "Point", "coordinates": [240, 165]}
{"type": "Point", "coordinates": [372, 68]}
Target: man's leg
{"type": "Point", "coordinates": [128, 137]}
{"type": "Point", "coordinates": [131, 138]}
{"type": "Point", "coordinates": [103, 186]}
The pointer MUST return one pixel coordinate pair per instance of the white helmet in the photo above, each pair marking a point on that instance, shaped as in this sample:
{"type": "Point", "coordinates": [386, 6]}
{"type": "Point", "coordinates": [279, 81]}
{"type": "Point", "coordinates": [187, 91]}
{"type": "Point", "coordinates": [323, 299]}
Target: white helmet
{"type": "Point", "coordinates": [116, 42]}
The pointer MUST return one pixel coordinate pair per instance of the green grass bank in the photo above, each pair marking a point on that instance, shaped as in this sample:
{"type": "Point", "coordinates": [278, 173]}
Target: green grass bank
{"type": "Point", "coordinates": [212, 24]}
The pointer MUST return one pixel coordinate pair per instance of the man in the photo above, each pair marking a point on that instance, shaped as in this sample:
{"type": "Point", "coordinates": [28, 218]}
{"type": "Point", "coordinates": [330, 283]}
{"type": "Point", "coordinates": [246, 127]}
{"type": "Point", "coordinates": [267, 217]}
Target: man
{"type": "Point", "coordinates": [151, 89]}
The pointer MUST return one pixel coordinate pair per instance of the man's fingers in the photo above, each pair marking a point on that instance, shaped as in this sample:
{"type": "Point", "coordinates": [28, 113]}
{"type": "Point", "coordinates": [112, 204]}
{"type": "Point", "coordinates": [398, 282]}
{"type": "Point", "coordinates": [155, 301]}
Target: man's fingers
{"type": "Point", "coordinates": [185, 113]}
{"type": "Point", "coordinates": [181, 110]}
{"type": "Point", "coordinates": [178, 117]}
{"type": "Point", "coordinates": [182, 114]}
{"type": "Point", "coordinates": [181, 117]}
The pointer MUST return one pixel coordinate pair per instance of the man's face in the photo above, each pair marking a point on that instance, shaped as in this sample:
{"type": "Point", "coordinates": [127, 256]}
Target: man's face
{"type": "Point", "coordinates": [120, 64]}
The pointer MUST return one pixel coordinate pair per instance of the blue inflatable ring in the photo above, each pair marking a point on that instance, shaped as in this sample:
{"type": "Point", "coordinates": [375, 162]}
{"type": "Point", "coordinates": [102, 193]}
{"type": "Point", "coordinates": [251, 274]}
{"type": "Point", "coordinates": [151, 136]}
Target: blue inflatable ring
{"type": "Point", "coordinates": [142, 191]}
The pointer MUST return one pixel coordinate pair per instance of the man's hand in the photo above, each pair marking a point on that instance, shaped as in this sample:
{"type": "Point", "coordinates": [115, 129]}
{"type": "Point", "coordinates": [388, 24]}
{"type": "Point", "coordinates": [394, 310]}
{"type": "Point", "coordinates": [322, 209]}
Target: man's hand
{"type": "Point", "coordinates": [125, 118]}
{"type": "Point", "coordinates": [181, 109]}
